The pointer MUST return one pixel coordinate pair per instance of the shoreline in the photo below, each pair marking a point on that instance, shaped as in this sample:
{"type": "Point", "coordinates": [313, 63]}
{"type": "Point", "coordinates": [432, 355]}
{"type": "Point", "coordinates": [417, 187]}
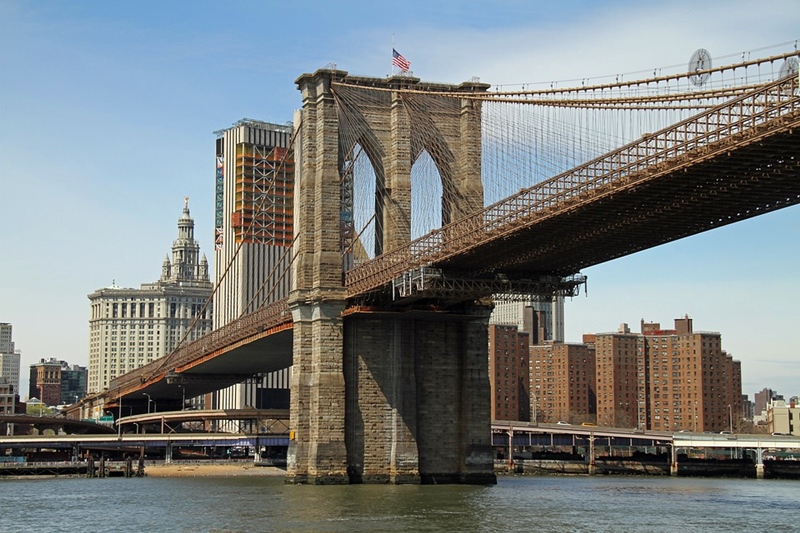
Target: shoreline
{"type": "Point", "coordinates": [211, 470]}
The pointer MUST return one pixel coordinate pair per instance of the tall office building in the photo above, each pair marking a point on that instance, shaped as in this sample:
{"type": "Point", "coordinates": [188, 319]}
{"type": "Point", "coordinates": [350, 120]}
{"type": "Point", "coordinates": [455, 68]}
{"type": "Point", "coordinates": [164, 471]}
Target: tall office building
{"type": "Point", "coordinates": [543, 320]}
{"type": "Point", "coordinates": [254, 216]}
{"type": "Point", "coordinates": [129, 328]}
{"type": "Point", "coordinates": [6, 340]}
{"type": "Point", "coordinates": [74, 380]}
{"type": "Point", "coordinates": [9, 357]}
{"type": "Point", "coordinates": [762, 400]}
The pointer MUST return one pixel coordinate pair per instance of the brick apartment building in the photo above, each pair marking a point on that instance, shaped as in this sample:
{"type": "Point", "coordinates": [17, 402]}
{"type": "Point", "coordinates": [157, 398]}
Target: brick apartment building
{"type": "Point", "coordinates": [563, 382]}
{"type": "Point", "coordinates": [667, 379]}
{"type": "Point", "coordinates": [508, 373]}
{"type": "Point", "coordinates": [659, 379]}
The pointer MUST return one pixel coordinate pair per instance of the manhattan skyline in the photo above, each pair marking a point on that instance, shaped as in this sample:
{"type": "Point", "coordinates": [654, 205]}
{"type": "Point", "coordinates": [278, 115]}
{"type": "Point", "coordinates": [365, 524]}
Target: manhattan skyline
{"type": "Point", "coordinates": [109, 113]}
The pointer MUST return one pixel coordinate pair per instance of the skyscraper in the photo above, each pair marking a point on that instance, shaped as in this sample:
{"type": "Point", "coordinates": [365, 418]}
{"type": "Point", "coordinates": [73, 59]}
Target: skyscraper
{"type": "Point", "coordinates": [131, 327]}
{"type": "Point", "coordinates": [9, 357]}
{"type": "Point", "coordinates": [74, 379]}
{"type": "Point", "coordinates": [254, 216]}
{"type": "Point", "coordinates": [762, 400]}
{"type": "Point", "coordinates": [544, 320]}
{"type": "Point", "coordinates": [6, 341]}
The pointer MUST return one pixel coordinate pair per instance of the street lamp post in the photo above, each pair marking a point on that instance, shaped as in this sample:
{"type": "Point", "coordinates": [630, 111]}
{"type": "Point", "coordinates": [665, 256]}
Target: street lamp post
{"type": "Point", "coordinates": [155, 407]}
{"type": "Point", "coordinates": [730, 418]}
{"type": "Point", "coordinates": [510, 447]}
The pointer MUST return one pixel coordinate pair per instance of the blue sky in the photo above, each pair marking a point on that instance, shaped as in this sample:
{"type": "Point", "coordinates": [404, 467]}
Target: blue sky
{"type": "Point", "coordinates": [108, 111]}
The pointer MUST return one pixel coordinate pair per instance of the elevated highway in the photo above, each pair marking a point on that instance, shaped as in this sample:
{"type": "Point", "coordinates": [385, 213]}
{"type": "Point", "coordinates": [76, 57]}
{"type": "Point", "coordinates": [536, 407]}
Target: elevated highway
{"type": "Point", "coordinates": [268, 421]}
{"type": "Point", "coordinates": [56, 423]}
{"type": "Point", "coordinates": [593, 441]}
{"type": "Point", "coordinates": [528, 435]}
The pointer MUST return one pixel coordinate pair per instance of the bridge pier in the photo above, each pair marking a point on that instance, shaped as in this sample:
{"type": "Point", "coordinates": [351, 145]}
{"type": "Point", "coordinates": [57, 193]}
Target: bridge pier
{"type": "Point", "coordinates": [673, 463]}
{"type": "Point", "coordinates": [317, 453]}
{"type": "Point", "coordinates": [390, 397]}
{"type": "Point", "coordinates": [759, 463]}
{"type": "Point", "coordinates": [418, 400]}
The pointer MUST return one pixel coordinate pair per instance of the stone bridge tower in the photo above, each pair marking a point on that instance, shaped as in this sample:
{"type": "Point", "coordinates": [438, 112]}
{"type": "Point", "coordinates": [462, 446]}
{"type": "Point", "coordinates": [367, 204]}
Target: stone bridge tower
{"type": "Point", "coordinates": [383, 395]}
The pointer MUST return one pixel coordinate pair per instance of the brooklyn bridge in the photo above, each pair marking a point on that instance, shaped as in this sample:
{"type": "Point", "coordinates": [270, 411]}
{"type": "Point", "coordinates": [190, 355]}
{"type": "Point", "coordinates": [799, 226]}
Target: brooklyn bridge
{"type": "Point", "coordinates": [416, 203]}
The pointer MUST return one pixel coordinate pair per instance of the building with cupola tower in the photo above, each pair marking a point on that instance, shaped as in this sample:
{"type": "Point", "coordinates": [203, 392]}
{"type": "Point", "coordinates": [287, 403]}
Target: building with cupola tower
{"type": "Point", "coordinates": [130, 327]}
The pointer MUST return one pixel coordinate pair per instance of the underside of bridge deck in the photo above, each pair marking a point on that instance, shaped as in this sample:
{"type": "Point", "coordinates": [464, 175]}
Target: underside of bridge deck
{"type": "Point", "coordinates": [652, 208]}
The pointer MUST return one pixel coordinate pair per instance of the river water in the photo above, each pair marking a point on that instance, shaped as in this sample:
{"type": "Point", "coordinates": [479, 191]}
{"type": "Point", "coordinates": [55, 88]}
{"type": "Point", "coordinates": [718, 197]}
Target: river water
{"type": "Point", "coordinates": [540, 504]}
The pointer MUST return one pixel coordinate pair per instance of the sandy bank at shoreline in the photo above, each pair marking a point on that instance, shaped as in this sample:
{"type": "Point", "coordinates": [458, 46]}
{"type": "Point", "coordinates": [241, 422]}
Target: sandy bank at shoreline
{"type": "Point", "coordinates": [211, 470]}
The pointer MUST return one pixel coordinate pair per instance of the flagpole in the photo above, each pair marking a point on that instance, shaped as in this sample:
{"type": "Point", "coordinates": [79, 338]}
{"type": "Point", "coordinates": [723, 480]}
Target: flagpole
{"type": "Point", "coordinates": [393, 54]}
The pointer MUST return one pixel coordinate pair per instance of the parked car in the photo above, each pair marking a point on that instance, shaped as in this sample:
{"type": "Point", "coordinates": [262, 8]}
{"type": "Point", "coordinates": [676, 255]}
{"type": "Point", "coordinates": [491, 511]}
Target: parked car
{"type": "Point", "coordinates": [562, 423]}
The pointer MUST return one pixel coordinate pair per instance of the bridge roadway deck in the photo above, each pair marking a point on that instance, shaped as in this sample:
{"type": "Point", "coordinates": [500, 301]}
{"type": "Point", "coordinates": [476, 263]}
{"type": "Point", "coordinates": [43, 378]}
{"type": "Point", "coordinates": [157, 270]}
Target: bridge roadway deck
{"type": "Point", "coordinates": [529, 435]}
{"type": "Point", "coordinates": [274, 420]}
{"type": "Point", "coordinates": [524, 435]}
{"type": "Point", "coordinates": [69, 425]}
{"type": "Point", "coordinates": [222, 358]}
{"type": "Point", "coordinates": [132, 440]}
{"type": "Point", "coordinates": [730, 163]}
{"type": "Point", "coordinates": [276, 434]}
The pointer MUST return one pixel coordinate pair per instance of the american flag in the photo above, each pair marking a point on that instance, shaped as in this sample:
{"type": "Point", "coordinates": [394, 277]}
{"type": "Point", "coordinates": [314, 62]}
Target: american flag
{"type": "Point", "coordinates": [399, 61]}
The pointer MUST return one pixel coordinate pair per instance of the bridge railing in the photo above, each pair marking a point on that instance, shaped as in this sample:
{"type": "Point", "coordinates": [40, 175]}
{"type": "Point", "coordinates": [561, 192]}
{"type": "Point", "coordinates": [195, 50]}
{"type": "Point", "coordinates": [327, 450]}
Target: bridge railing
{"type": "Point", "coordinates": [739, 121]}
{"type": "Point", "coordinates": [268, 317]}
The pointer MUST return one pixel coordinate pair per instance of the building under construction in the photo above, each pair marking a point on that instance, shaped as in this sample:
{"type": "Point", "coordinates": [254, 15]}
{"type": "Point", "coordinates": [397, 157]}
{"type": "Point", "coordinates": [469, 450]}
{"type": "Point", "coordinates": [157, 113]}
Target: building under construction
{"type": "Point", "coordinates": [254, 216]}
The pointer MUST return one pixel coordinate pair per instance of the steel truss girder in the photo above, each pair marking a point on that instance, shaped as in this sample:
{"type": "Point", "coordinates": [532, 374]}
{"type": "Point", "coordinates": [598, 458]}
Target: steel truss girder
{"type": "Point", "coordinates": [432, 284]}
